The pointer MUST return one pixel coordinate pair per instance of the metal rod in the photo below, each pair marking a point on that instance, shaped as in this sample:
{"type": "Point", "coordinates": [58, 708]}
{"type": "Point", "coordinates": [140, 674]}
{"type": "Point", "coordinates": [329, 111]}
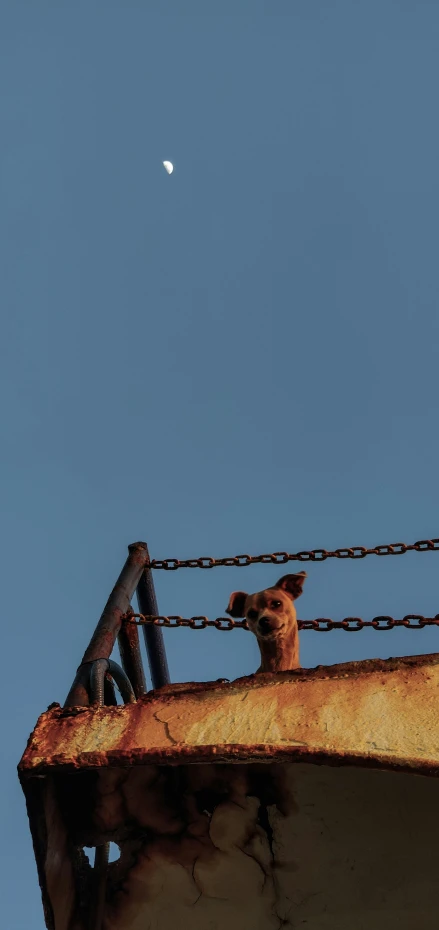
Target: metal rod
{"type": "Point", "coordinates": [110, 699]}
{"type": "Point", "coordinates": [79, 694]}
{"type": "Point", "coordinates": [122, 682]}
{"type": "Point", "coordinates": [131, 657]}
{"type": "Point", "coordinates": [98, 670]}
{"type": "Point", "coordinates": [107, 630]}
{"type": "Point", "coordinates": [100, 870]}
{"type": "Point", "coordinates": [155, 646]}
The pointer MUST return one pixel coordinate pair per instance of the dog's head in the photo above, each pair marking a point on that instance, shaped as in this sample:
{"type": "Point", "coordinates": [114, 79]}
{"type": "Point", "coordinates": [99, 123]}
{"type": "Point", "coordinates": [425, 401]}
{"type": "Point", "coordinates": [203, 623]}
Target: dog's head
{"type": "Point", "coordinates": [270, 613]}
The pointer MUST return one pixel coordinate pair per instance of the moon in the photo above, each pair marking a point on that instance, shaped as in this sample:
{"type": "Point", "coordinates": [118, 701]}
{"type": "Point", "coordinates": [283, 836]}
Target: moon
{"type": "Point", "coordinates": [168, 166]}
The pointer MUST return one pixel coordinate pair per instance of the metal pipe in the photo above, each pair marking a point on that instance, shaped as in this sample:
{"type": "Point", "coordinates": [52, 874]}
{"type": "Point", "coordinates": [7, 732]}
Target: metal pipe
{"type": "Point", "coordinates": [97, 679]}
{"type": "Point", "coordinates": [79, 692]}
{"type": "Point", "coordinates": [155, 646]}
{"type": "Point", "coordinates": [106, 632]}
{"type": "Point", "coordinates": [122, 681]}
{"type": "Point", "coordinates": [131, 657]}
{"type": "Point", "coordinates": [110, 699]}
{"type": "Point", "coordinates": [100, 869]}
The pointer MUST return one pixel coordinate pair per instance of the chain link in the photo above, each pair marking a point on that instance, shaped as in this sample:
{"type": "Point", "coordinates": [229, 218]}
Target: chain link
{"type": "Point", "coordinates": [320, 625]}
{"type": "Point", "coordinates": [311, 555]}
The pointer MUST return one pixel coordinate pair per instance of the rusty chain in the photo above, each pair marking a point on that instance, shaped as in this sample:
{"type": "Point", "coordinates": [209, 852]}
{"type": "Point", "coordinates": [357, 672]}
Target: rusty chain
{"type": "Point", "coordinates": [320, 625]}
{"type": "Point", "coordinates": [309, 555]}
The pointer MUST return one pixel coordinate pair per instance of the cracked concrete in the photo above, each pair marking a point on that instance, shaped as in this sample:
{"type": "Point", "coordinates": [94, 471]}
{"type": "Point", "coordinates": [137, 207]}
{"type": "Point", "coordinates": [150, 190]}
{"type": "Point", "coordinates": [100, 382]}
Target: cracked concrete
{"type": "Point", "coordinates": [385, 712]}
{"type": "Point", "coordinates": [166, 727]}
{"type": "Point", "coordinates": [249, 847]}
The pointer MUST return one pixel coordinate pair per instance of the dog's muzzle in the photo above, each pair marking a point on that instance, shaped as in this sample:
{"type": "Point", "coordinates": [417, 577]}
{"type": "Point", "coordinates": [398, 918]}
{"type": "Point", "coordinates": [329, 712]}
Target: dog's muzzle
{"type": "Point", "coordinates": [265, 625]}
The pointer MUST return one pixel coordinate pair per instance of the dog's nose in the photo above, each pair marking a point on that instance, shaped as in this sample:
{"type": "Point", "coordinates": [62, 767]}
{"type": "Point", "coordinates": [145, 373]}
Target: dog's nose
{"type": "Point", "coordinates": [265, 624]}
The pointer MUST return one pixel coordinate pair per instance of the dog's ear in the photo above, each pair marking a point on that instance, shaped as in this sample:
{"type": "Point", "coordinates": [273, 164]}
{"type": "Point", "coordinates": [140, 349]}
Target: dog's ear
{"type": "Point", "coordinates": [292, 584]}
{"type": "Point", "coordinates": [236, 604]}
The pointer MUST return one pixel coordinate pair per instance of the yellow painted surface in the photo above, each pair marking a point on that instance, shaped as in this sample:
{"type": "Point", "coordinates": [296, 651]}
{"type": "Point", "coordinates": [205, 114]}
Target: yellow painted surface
{"type": "Point", "coordinates": [383, 711]}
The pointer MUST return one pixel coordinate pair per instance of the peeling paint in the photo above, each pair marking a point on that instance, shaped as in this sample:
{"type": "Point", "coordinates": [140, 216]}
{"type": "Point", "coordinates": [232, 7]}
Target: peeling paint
{"type": "Point", "coordinates": [383, 713]}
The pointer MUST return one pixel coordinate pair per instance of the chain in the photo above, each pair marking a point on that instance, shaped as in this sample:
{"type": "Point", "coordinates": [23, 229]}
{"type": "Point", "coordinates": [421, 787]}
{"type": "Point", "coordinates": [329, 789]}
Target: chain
{"type": "Point", "coordinates": [321, 625]}
{"type": "Point", "coordinates": [308, 555]}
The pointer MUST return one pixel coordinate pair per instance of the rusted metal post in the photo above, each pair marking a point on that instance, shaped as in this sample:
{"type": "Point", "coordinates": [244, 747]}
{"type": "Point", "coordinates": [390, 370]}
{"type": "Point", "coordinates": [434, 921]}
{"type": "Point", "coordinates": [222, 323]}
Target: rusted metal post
{"type": "Point", "coordinates": [155, 647]}
{"type": "Point", "coordinates": [131, 658]}
{"type": "Point", "coordinates": [100, 871]}
{"type": "Point", "coordinates": [107, 630]}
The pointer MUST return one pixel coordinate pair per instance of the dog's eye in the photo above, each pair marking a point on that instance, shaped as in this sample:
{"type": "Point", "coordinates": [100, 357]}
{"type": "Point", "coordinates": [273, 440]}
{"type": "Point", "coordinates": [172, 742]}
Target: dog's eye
{"type": "Point", "coordinates": [252, 614]}
{"type": "Point", "coordinates": [276, 604]}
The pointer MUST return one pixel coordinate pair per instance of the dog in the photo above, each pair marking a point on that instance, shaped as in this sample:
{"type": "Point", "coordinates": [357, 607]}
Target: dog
{"type": "Point", "coordinates": [271, 616]}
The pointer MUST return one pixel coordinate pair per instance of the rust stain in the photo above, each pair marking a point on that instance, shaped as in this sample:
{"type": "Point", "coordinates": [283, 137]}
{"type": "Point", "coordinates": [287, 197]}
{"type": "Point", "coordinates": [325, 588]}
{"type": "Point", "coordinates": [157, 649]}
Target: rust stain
{"type": "Point", "coordinates": [380, 712]}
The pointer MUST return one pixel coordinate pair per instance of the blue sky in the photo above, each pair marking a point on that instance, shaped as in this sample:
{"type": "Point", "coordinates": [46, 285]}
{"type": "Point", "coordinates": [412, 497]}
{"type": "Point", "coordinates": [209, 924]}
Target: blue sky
{"type": "Point", "coordinates": [241, 357]}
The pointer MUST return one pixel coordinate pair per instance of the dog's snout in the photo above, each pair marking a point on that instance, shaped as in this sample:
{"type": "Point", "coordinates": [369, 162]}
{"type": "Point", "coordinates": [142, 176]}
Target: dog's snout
{"type": "Point", "coordinates": [265, 624]}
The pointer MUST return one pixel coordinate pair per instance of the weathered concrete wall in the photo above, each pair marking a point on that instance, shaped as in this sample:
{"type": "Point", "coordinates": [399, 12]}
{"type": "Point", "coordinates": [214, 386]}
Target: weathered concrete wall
{"type": "Point", "coordinates": [247, 847]}
{"type": "Point", "coordinates": [287, 800]}
{"type": "Point", "coordinates": [357, 849]}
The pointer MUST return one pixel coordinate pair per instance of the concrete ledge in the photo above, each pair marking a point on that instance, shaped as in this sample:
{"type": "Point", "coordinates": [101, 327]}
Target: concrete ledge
{"type": "Point", "coordinates": [379, 713]}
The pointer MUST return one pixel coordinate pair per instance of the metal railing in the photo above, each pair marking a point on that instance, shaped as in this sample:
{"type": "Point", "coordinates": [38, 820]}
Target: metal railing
{"type": "Point", "coordinates": [89, 683]}
{"type": "Point", "coordinates": [97, 674]}
{"type": "Point", "coordinates": [307, 555]}
{"type": "Point", "coordinates": [319, 625]}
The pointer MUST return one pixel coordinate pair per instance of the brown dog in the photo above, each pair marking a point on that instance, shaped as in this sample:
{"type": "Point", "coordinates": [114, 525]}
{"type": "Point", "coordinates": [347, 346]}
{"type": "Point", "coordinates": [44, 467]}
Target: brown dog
{"type": "Point", "coordinates": [271, 616]}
